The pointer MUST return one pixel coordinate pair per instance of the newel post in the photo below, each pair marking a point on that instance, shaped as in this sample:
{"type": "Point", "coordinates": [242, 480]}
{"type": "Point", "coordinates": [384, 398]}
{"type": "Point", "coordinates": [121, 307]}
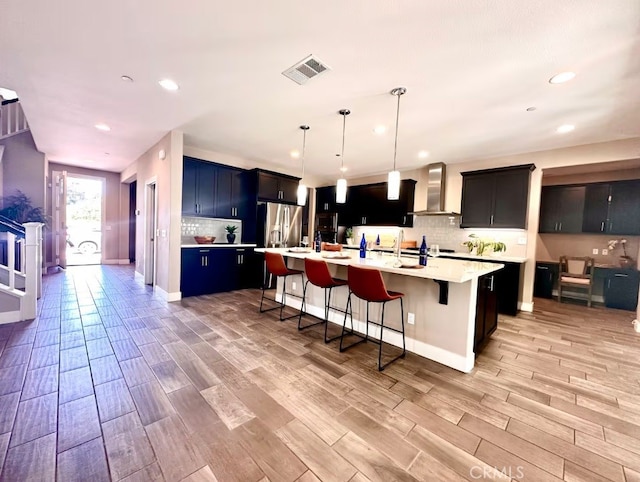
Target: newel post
{"type": "Point", "coordinates": [33, 272]}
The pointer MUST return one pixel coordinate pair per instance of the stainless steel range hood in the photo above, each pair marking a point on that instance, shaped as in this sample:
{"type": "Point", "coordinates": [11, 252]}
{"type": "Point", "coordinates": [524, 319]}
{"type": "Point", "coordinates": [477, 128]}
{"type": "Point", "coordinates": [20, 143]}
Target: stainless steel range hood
{"type": "Point", "coordinates": [436, 180]}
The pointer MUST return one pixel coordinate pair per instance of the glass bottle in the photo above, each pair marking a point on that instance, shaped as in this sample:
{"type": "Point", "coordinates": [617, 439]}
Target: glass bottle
{"type": "Point", "coordinates": [378, 240]}
{"type": "Point", "coordinates": [318, 242]}
{"type": "Point", "coordinates": [423, 251]}
{"type": "Point", "coordinates": [363, 247]}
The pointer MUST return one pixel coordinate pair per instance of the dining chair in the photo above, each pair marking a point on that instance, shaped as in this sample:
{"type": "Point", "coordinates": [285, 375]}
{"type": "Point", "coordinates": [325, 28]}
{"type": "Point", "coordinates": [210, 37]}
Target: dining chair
{"type": "Point", "coordinates": [576, 272]}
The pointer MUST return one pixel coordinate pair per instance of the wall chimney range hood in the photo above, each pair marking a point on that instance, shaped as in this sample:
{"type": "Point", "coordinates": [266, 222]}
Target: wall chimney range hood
{"type": "Point", "coordinates": [436, 180]}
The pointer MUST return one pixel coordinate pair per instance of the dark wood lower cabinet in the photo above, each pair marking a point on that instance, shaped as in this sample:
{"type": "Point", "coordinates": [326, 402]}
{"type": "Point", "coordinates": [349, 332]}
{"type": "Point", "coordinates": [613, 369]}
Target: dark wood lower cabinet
{"type": "Point", "coordinates": [486, 311]}
{"type": "Point", "coordinates": [621, 289]}
{"type": "Point", "coordinates": [216, 270]}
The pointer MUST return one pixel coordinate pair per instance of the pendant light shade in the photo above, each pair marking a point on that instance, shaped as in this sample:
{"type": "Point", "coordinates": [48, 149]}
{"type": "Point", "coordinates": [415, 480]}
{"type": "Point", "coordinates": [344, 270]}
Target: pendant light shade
{"type": "Point", "coordinates": [302, 188]}
{"type": "Point", "coordinates": [341, 186]}
{"type": "Point", "coordinates": [393, 181]}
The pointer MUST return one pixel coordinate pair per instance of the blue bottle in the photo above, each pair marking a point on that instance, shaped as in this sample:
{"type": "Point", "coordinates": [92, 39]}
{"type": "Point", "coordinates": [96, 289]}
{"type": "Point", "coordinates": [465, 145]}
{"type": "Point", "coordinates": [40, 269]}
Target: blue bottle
{"type": "Point", "coordinates": [423, 252]}
{"type": "Point", "coordinates": [318, 242]}
{"type": "Point", "coordinates": [378, 240]}
{"type": "Point", "coordinates": [363, 247]}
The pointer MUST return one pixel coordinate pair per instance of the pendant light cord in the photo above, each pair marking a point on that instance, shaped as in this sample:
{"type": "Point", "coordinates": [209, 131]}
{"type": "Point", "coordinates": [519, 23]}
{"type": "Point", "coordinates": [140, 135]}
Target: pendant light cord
{"type": "Point", "coordinates": [344, 123]}
{"type": "Point", "coordinates": [304, 145]}
{"type": "Point", "coordinates": [395, 146]}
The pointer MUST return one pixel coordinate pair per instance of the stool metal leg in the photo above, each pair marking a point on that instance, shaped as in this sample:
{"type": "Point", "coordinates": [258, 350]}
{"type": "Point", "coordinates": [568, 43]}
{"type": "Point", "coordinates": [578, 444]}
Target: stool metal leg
{"type": "Point", "coordinates": [304, 298]}
{"type": "Point", "coordinates": [349, 310]}
{"type": "Point", "coordinates": [327, 304]}
{"type": "Point", "coordinates": [402, 355]}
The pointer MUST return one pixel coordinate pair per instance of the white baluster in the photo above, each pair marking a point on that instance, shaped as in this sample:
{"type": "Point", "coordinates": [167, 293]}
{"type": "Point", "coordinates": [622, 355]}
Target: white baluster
{"type": "Point", "coordinates": [11, 259]}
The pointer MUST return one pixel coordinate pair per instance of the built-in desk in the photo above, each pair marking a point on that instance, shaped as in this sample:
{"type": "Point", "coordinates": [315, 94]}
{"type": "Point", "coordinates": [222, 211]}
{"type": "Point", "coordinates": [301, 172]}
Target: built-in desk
{"type": "Point", "coordinates": [442, 332]}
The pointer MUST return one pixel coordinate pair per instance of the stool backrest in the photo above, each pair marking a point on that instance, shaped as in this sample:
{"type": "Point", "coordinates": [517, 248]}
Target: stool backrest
{"type": "Point", "coordinates": [275, 264]}
{"type": "Point", "coordinates": [367, 283]}
{"type": "Point", "coordinates": [317, 272]}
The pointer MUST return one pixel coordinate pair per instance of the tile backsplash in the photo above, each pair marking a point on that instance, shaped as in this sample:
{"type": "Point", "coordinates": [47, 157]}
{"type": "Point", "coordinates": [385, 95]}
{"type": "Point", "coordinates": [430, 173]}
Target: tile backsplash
{"type": "Point", "coordinates": [446, 232]}
{"type": "Point", "coordinates": [193, 226]}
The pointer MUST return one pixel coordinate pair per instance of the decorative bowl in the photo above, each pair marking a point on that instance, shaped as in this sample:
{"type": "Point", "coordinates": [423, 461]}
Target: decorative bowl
{"type": "Point", "coordinates": [204, 239]}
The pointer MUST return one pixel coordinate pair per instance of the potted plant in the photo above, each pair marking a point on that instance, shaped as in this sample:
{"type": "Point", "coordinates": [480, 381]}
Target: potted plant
{"type": "Point", "coordinates": [348, 234]}
{"type": "Point", "coordinates": [484, 246]}
{"type": "Point", "coordinates": [231, 233]}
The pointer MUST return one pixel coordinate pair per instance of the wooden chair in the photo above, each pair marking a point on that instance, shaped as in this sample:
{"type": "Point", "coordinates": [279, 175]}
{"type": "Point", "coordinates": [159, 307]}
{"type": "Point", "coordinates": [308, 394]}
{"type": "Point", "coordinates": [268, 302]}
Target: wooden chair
{"type": "Point", "coordinates": [576, 272]}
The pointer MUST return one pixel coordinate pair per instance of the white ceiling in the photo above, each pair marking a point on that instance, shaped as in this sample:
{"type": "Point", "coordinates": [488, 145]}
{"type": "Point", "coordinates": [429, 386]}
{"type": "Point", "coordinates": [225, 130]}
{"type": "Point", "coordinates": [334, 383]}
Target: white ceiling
{"type": "Point", "coordinates": [471, 70]}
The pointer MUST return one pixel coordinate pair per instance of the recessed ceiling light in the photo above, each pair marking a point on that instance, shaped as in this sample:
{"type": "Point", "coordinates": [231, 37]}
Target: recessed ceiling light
{"type": "Point", "coordinates": [562, 77]}
{"type": "Point", "coordinates": [103, 127]}
{"type": "Point", "coordinates": [168, 84]}
{"type": "Point", "coordinates": [380, 129]}
{"type": "Point", "coordinates": [107, 153]}
{"type": "Point", "coordinates": [531, 109]}
{"type": "Point", "coordinates": [423, 154]}
{"type": "Point", "coordinates": [295, 154]}
{"type": "Point", "coordinates": [126, 78]}
{"type": "Point", "coordinates": [563, 129]}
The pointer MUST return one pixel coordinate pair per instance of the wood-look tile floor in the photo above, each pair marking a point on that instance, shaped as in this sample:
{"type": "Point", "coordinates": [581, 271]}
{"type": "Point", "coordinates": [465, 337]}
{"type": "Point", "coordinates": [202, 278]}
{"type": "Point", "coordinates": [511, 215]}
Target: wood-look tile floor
{"type": "Point", "coordinates": [111, 383]}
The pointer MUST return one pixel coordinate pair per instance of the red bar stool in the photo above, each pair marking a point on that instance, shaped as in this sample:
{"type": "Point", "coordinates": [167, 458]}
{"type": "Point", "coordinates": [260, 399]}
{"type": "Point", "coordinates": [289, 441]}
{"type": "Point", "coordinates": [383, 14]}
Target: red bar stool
{"type": "Point", "coordinates": [318, 275]}
{"type": "Point", "coordinates": [278, 268]}
{"type": "Point", "coordinates": [368, 285]}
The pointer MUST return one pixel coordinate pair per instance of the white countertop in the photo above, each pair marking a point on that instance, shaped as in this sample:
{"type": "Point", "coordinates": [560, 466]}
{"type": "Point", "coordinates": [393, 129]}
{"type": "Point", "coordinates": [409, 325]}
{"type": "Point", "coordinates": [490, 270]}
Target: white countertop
{"type": "Point", "coordinates": [442, 269]}
{"type": "Point", "coordinates": [219, 245]}
{"type": "Point", "coordinates": [493, 258]}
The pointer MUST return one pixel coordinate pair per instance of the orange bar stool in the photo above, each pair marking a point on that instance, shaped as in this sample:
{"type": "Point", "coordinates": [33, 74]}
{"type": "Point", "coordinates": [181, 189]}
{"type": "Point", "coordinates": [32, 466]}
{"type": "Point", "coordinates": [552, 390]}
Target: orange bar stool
{"type": "Point", "coordinates": [368, 285]}
{"type": "Point", "coordinates": [318, 275]}
{"type": "Point", "coordinates": [278, 268]}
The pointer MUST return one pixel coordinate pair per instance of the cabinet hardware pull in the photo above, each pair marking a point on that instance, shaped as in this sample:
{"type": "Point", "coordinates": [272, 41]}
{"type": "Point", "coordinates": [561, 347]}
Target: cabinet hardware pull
{"type": "Point", "coordinates": [560, 227]}
{"type": "Point", "coordinates": [555, 227]}
{"type": "Point", "coordinates": [543, 267]}
{"type": "Point", "coordinates": [602, 226]}
{"type": "Point", "coordinates": [491, 286]}
{"type": "Point", "coordinates": [609, 283]}
{"type": "Point", "coordinates": [620, 275]}
{"type": "Point", "coordinates": [491, 219]}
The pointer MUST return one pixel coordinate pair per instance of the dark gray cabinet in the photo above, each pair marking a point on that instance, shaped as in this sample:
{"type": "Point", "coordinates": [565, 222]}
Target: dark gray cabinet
{"type": "Point", "coordinates": [561, 209]}
{"type": "Point", "coordinates": [198, 188]}
{"type": "Point", "coordinates": [277, 187]}
{"type": "Point", "coordinates": [367, 205]}
{"type": "Point", "coordinates": [545, 279]}
{"type": "Point", "coordinates": [612, 208]}
{"type": "Point", "coordinates": [621, 289]}
{"type": "Point", "coordinates": [326, 200]}
{"type": "Point", "coordinates": [229, 193]}
{"type": "Point", "coordinates": [496, 198]}
{"type": "Point", "coordinates": [486, 312]}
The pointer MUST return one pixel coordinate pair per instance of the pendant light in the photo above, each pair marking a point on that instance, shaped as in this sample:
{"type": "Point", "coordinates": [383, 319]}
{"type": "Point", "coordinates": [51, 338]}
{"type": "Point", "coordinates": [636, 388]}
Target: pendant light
{"type": "Point", "coordinates": [393, 181]}
{"type": "Point", "coordinates": [341, 186]}
{"type": "Point", "coordinates": [302, 189]}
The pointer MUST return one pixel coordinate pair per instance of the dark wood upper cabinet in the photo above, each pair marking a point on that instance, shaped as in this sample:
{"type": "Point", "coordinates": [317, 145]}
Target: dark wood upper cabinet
{"type": "Point", "coordinates": [198, 188]}
{"type": "Point", "coordinates": [612, 208]}
{"type": "Point", "coordinates": [277, 187]}
{"type": "Point", "coordinates": [367, 205]}
{"type": "Point", "coordinates": [229, 193]}
{"type": "Point", "coordinates": [496, 198]}
{"type": "Point", "coordinates": [561, 209]}
{"type": "Point", "coordinates": [326, 199]}
{"type": "Point", "coordinates": [189, 188]}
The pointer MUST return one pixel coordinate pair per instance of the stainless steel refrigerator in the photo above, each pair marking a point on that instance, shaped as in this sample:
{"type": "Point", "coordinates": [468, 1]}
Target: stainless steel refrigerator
{"type": "Point", "coordinates": [278, 226]}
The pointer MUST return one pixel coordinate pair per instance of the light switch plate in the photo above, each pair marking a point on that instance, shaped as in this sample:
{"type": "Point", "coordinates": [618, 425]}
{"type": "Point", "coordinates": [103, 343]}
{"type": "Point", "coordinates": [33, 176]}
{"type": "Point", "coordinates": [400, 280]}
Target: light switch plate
{"type": "Point", "coordinates": [522, 241]}
{"type": "Point", "coordinates": [605, 252]}
{"type": "Point", "coordinates": [594, 251]}
{"type": "Point", "coordinates": [411, 318]}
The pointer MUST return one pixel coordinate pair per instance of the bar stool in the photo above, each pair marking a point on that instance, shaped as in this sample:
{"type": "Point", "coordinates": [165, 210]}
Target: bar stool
{"type": "Point", "coordinates": [368, 285]}
{"type": "Point", "coordinates": [278, 268]}
{"type": "Point", "coordinates": [318, 275]}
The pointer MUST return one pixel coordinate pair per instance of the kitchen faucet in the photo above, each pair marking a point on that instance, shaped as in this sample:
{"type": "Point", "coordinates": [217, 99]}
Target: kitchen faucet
{"type": "Point", "coordinates": [399, 242]}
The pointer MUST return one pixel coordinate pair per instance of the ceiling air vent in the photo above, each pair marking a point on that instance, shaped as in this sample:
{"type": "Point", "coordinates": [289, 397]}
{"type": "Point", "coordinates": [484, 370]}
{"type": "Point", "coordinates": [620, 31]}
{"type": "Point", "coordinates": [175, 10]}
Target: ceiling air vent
{"type": "Point", "coordinates": [306, 69]}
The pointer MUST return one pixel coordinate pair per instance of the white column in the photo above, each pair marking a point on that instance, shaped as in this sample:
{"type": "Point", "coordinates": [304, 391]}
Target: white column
{"type": "Point", "coordinates": [32, 270]}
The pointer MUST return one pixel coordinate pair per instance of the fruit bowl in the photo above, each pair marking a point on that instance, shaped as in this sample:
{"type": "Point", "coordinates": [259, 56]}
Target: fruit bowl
{"type": "Point", "coordinates": [204, 239]}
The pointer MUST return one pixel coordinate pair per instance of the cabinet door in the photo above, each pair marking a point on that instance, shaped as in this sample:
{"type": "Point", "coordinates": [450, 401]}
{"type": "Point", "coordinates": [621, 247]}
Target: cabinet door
{"type": "Point", "coordinates": [543, 282]}
{"type": "Point", "coordinates": [326, 199]}
{"type": "Point", "coordinates": [268, 187]}
{"type": "Point", "coordinates": [624, 209]}
{"type": "Point", "coordinates": [486, 312]}
{"type": "Point", "coordinates": [596, 207]}
{"type": "Point", "coordinates": [407, 201]}
{"type": "Point", "coordinates": [189, 188]}
{"type": "Point", "coordinates": [288, 190]}
{"type": "Point", "coordinates": [195, 273]}
{"type": "Point", "coordinates": [549, 201]}
{"type": "Point", "coordinates": [238, 205]}
{"type": "Point", "coordinates": [477, 200]}
{"type": "Point", "coordinates": [510, 200]}
{"type": "Point", "coordinates": [224, 270]}
{"type": "Point", "coordinates": [375, 207]}
{"type": "Point", "coordinates": [206, 189]}
{"type": "Point", "coordinates": [570, 208]}
{"type": "Point", "coordinates": [621, 289]}
{"type": "Point", "coordinates": [223, 193]}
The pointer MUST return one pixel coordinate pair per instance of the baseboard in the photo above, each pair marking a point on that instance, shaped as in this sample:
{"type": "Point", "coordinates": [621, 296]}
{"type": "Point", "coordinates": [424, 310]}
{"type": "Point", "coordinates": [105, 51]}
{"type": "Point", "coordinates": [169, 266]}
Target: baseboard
{"type": "Point", "coordinates": [522, 306]}
{"type": "Point", "coordinates": [10, 317]}
{"type": "Point", "coordinates": [421, 348]}
{"type": "Point", "coordinates": [124, 261]}
{"type": "Point", "coordinates": [110, 261]}
{"type": "Point", "coordinates": [169, 297]}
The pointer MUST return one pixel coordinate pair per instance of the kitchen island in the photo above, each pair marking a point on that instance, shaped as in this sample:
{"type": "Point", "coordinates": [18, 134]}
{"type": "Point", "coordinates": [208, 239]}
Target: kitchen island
{"type": "Point", "coordinates": [442, 297]}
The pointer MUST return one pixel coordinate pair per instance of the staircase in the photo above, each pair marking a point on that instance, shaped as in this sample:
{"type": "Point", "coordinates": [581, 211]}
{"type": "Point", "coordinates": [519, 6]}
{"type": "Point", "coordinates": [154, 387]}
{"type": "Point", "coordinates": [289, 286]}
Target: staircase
{"type": "Point", "coordinates": [12, 119]}
{"type": "Point", "coordinates": [20, 270]}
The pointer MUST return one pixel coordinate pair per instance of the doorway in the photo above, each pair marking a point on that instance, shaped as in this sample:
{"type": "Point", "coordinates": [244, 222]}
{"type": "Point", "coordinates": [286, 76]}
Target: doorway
{"type": "Point", "coordinates": [84, 219]}
{"type": "Point", "coordinates": [150, 239]}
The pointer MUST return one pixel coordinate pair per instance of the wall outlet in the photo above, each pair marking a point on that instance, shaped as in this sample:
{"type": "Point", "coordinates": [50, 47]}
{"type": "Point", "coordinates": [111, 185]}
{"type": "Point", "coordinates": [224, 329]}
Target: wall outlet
{"type": "Point", "coordinates": [594, 251]}
{"type": "Point", "coordinates": [411, 318]}
{"type": "Point", "coordinates": [522, 241]}
{"type": "Point", "coordinates": [293, 285]}
{"type": "Point", "coordinates": [605, 252]}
